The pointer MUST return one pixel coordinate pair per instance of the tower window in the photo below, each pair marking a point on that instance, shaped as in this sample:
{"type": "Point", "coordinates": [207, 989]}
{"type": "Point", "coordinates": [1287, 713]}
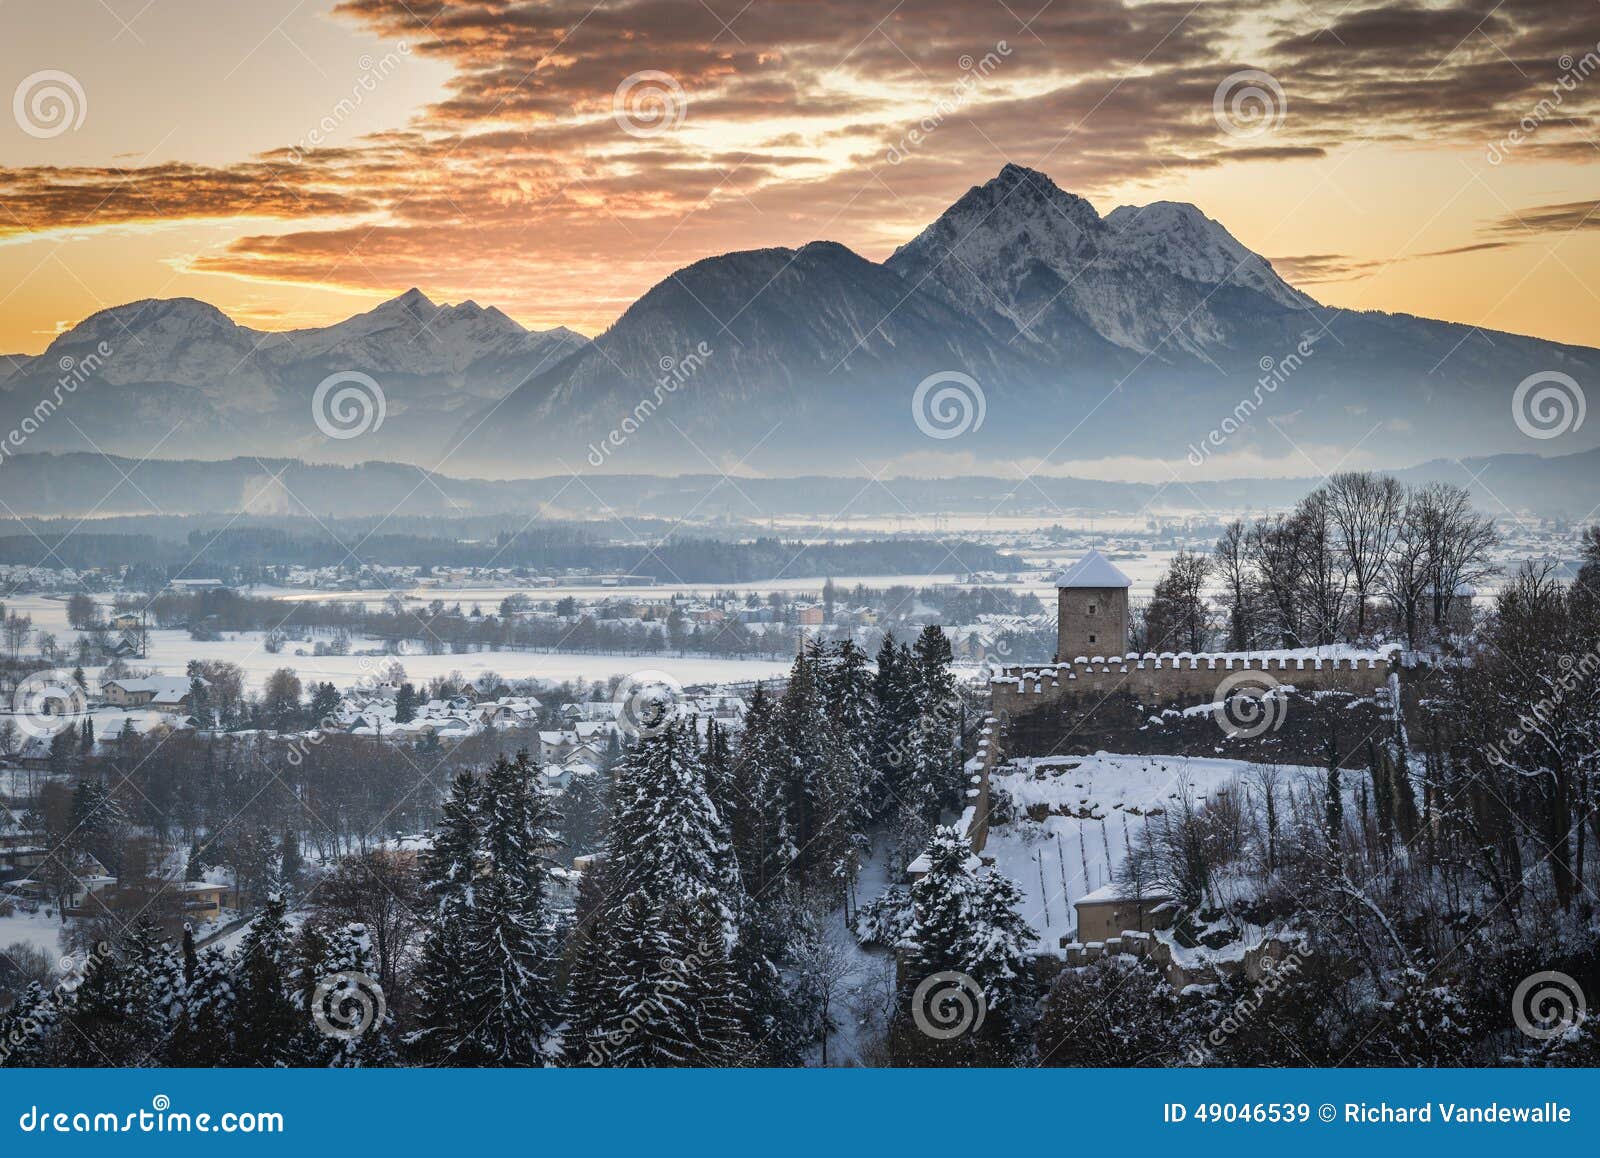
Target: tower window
{"type": "Point", "coordinates": [1091, 609]}
{"type": "Point", "coordinates": [1091, 637]}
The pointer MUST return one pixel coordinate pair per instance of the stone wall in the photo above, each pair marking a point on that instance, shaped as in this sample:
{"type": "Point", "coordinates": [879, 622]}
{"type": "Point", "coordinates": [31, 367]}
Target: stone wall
{"type": "Point", "coordinates": [1167, 706]}
{"type": "Point", "coordinates": [1181, 680]}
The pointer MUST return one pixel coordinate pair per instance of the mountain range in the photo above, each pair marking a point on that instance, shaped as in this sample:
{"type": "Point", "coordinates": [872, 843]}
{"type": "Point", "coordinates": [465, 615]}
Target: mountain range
{"type": "Point", "coordinates": [1047, 328]}
{"type": "Point", "coordinates": [248, 490]}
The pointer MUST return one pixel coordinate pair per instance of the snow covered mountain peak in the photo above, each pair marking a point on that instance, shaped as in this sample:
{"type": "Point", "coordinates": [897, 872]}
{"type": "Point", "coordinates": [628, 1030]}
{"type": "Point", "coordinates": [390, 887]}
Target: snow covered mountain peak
{"type": "Point", "coordinates": [1180, 237]}
{"type": "Point", "coordinates": [1040, 265]}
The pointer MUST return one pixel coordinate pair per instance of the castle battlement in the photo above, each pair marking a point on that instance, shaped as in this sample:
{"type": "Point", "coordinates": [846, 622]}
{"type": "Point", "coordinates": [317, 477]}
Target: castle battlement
{"type": "Point", "coordinates": [1176, 677]}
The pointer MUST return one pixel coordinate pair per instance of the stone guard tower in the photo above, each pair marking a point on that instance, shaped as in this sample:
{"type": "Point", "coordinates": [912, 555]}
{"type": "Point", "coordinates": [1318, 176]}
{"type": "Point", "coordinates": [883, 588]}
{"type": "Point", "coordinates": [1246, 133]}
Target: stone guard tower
{"type": "Point", "coordinates": [1091, 609]}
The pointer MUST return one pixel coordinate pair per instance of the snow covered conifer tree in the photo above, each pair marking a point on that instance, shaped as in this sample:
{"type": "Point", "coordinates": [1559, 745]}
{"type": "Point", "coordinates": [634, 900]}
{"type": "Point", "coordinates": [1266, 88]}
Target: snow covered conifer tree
{"type": "Point", "coordinates": [1000, 963]}
{"type": "Point", "coordinates": [510, 935]}
{"type": "Point", "coordinates": [342, 1005]}
{"type": "Point", "coordinates": [267, 1026]}
{"type": "Point", "coordinates": [759, 824]}
{"type": "Point", "coordinates": [450, 870]}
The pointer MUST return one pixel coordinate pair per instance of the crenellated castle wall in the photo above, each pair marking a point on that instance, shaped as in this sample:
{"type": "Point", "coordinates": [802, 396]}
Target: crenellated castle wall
{"type": "Point", "coordinates": [1184, 679]}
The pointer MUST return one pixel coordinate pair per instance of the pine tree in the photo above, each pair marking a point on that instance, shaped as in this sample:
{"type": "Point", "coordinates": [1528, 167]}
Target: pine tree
{"type": "Point", "coordinates": [267, 1026]}
{"type": "Point", "coordinates": [510, 935]}
{"type": "Point", "coordinates": [657, 976]}
{"type": "Point", "coordinates": [154, 986]}
{"type": "Point", "coordinates": [890, 731]}
{"type": "Point", "coordinates": [450, 870]}
{"type": "Point", "coordinates": [291, 864]}
{"type": "Point", "coordinates": [759, 824]}
{"type": "Point", "coordinates": [944, 903]}
{"type": "Point", "coordinates": [932, 780]}
{"type": "Point", "coordinates": [29, 1029]}
{"type": "Point", "coordinates": [666, 838]}
{"type": "Point", "coordinates": [405, 704]}
{"type": "Point", "coordinates": [340, 997]}
{"type": "Point", "coordinates": [1001, 964]}
{"type": "Point", "coordinates": [204, 1033]}
{"type": "Point", "coordinates": [325, 700]}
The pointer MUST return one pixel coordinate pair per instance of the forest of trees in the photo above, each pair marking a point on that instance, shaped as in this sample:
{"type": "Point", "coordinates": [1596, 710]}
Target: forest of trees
{"type": "Point", "coordinates": [1360, 557]}
{"type": "Point", "coordinates": [705, 932]}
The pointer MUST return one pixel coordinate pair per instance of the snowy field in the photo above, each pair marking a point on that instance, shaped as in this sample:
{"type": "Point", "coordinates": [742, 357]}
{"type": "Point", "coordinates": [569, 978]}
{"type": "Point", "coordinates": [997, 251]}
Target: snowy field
{"type": "Point", "coordinates": [36, 929]}
{"type": "Point", "coordinates": [171, 651]}
{"type": "Point", "coordinates": [1095, 805]}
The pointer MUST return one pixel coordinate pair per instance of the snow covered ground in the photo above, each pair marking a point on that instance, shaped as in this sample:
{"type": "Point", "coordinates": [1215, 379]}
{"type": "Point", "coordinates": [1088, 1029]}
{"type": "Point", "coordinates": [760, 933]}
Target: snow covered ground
{"type": "Point", "coordinates": [1086, 810]}
{"type": "Point", "coordinates": [36, 929]}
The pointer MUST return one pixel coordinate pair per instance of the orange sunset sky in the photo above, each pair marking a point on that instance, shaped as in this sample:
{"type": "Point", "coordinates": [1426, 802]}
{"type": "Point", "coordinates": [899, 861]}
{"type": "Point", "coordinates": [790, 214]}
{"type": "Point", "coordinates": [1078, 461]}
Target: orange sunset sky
{"type": "Point", "coordinates": [297, 162]}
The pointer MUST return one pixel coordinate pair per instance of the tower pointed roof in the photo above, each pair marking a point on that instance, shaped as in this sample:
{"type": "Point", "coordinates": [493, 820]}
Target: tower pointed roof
{"type": "Point", "coordinates": [1093, 570]}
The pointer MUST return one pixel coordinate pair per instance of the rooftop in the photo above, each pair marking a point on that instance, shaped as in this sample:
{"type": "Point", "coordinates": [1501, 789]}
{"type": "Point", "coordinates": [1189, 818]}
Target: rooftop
{"type": "Point", "coordinates": [1093, 570]}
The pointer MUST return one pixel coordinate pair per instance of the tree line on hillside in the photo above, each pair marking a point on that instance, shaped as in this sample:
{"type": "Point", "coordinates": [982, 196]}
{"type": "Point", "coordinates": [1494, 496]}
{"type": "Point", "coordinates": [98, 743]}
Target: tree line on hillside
{"type": "Point", "coordinates": [257, 554]}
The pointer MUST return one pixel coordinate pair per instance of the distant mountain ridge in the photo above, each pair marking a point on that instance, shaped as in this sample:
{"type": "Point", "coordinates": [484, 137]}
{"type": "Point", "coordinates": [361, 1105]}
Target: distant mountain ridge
{"type": "Point", "coordinates": [78, 484]}
{"type": "Point", "coordinates": [1067, 334]}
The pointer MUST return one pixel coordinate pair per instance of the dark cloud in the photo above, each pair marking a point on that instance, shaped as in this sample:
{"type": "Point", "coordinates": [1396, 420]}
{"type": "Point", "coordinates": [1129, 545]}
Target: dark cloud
{"type": "Point", "coordinates": [519, 181]}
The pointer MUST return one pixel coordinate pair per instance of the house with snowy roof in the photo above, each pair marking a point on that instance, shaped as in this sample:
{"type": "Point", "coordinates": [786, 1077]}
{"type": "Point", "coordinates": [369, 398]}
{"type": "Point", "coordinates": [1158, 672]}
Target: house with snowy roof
{"type": "Point", "coordinates": [165, 693]}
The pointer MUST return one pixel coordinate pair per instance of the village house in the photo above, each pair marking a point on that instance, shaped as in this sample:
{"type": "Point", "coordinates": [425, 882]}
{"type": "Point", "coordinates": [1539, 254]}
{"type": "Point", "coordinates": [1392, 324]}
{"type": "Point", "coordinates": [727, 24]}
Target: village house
{"type": "Point", "coordinates": [164, 693]}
